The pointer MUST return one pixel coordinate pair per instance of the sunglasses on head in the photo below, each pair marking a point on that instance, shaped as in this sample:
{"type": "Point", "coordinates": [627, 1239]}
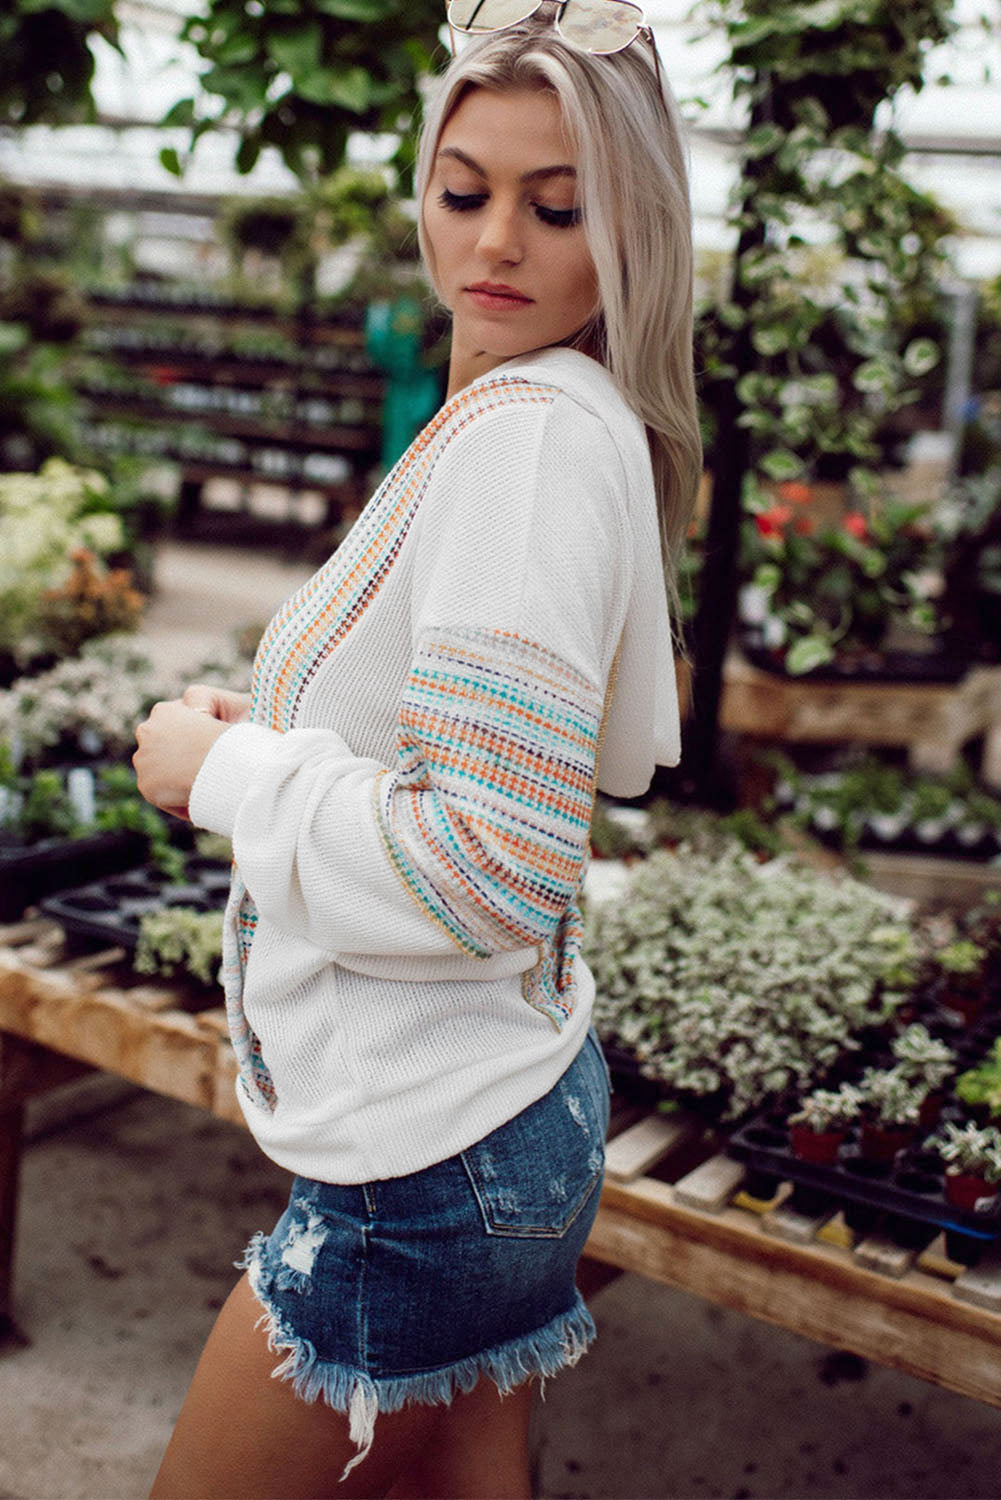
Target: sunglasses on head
{"type": "Point", "coordinates": [598, 26]}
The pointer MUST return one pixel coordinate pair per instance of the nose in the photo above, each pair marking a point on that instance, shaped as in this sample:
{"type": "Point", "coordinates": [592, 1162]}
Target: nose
{"type": "Point", "coordinates": [500, 237]}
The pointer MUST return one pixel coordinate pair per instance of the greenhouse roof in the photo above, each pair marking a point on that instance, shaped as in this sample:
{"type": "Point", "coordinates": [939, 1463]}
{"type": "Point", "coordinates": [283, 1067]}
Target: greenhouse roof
{"type": "Point", "coordinates": [953, 130]}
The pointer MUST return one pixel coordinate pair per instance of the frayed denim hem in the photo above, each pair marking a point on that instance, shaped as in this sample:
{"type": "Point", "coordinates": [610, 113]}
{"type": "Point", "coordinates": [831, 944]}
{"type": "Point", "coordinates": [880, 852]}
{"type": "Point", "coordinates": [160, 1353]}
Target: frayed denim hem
{"type": "Point", "coordinates": [556, 1346]}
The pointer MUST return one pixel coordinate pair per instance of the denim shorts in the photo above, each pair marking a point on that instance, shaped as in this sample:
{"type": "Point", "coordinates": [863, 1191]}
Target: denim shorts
{"type": "Point", "coordinates": [410, 1288]}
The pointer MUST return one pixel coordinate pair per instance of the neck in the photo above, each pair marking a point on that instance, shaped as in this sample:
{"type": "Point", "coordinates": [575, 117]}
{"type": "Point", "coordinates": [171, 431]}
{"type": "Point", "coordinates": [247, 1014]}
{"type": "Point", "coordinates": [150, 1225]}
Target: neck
{"type": "Point", "coordinates": [466, 365]}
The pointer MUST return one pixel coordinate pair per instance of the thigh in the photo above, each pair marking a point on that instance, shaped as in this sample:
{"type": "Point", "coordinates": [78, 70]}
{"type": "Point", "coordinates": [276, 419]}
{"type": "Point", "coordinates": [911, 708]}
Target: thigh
{"type": "Point", "coordinates": [243, 1434]}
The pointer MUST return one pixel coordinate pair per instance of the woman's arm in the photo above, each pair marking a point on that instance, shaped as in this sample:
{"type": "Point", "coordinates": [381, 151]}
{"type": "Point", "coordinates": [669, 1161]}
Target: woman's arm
{"type": "Point", "coordinates": [472, 841]}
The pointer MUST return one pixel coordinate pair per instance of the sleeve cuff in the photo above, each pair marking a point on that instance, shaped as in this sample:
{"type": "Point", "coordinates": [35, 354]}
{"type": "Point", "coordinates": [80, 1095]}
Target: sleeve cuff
{"type": "Point", "coordinates": [227, 771]}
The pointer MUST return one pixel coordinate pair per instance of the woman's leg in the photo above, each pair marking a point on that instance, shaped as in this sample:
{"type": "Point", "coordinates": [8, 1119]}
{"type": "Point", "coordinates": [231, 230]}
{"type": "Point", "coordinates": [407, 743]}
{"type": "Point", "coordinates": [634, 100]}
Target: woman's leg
{"type": "Point", "coordinates": [243, 1435]}
{"type": "Point", "coordinates": [480, 1450]}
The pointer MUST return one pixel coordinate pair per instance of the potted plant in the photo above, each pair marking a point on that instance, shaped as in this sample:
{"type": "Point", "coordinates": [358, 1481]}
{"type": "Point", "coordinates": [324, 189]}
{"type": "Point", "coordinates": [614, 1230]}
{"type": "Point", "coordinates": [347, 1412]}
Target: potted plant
{"type": "Point", "coordinates": [180, 940]}
{"type": "Point", "coordinates": [819, 1127]}
{"type": "Point", "coordinates": [926, 1061]}
{"type": "Point", "coordinates": [725, 978]}
{"type": "Point", "coordinates": [930, 813]}
{"type": "Point", "coordinates": [46, 517]}
{"type": "Point", "coordinates": [972, 1157]}
{"type": "Point", "coordinates": [961, 978]}
{"type": "Point", "coordinates": [980, 1086]}
{"type": "Point", "coordinates": [889, 805]}
{"type": "Point", "coordinates": [84, 707]}
{"type": "Point", "coordinates": [62, 826]}
{"type": "Point", "coordinates": [891, 1112]}
{"type": "Point", "coordinates": [978, 828]}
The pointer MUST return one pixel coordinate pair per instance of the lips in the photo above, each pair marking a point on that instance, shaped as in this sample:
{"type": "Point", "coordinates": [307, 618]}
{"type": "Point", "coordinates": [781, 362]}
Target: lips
{"type": "Point", "coordinates": [495, 296]}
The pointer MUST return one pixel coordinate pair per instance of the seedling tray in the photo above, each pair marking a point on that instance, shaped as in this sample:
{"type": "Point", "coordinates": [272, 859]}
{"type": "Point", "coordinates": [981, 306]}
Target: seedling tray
{"type": "Point", "coordinates": [29, 872]}
{"type": "Point", "coordinates": [909, 1191]}
{"type": "Point", "coordinates": [111, 910]}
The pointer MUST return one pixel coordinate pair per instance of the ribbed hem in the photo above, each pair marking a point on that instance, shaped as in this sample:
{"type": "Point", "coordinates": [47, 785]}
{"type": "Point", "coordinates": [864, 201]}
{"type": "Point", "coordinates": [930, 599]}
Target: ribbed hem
{"type": "Point", "coordinates": [360, 1396]}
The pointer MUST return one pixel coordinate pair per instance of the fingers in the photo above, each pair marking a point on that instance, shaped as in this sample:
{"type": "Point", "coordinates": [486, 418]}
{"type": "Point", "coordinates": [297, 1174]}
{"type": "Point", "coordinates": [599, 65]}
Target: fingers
{"type": "Point", "coordinates": [205, 699]}
{"type": "Point", "coordinates": [221, 703]}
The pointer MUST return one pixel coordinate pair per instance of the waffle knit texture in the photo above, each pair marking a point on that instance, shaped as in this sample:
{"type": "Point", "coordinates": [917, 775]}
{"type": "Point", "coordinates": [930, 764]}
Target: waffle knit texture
{"type": "Point", "coordinates": [410, 802]}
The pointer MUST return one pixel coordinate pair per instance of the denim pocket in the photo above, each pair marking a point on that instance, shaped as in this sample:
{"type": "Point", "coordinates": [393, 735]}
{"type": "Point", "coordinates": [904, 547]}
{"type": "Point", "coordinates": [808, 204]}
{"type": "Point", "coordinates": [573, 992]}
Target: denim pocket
{"type": "Point", "coordinates": [534, 1175]}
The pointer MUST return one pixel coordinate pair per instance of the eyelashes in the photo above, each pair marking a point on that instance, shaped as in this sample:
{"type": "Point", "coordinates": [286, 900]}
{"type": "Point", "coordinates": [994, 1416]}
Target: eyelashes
{"type": "Point", "coordinates": [467, 203]}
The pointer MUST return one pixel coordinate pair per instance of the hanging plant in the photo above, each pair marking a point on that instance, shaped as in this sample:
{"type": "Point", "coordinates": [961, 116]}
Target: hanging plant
{"type": "Point", "coordinates": [301, 77]}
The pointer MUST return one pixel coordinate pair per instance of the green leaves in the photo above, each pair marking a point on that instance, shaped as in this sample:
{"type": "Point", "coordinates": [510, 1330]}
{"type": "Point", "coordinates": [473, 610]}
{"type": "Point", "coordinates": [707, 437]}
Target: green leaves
{"type": "Point", "coordinates": [807, 654]}
{"type": "Point", "coordinates": [300, 75]}
{"type": "Point", "coordinates": [46, 66]}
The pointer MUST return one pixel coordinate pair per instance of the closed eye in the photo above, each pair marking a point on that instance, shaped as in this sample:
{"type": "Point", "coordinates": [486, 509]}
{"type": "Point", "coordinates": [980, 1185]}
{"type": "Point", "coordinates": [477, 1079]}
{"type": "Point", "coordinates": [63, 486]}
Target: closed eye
{"type": "Point", "coordinates": [559, 218]}
{"type": "Point", "coordinates": [462, 203]}
{"type": "Point", "coordinates": [465, 203]}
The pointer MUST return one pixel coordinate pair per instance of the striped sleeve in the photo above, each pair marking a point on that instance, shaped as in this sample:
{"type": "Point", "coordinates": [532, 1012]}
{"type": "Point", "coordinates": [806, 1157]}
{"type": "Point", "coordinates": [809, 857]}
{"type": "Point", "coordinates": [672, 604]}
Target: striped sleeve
{"type": "Point", "coordinates": [485, 818]}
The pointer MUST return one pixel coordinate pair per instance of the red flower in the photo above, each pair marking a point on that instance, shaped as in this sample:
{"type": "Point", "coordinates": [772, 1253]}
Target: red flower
{"type": "Point", "coordinates": [803, 526]}
{"type": "Point", "coordinates": [856, 525]}
{"type": "Point", "coordinates": [796, 491]}
{"type": "Point", "coordinates": [772, 522]}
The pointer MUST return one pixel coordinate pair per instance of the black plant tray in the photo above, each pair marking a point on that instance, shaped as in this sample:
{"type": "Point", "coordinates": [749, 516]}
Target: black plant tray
{"type": "Point", "coordinates": [933, 667]}
{"type": "Point", "coordinates": [906, 1195]}
{"type": "Point", "coordinates": [947, 846]}
{"type": "Point", "coordinates": [29, 872]}
{"type": "Point", "coordinates": [112, 910]}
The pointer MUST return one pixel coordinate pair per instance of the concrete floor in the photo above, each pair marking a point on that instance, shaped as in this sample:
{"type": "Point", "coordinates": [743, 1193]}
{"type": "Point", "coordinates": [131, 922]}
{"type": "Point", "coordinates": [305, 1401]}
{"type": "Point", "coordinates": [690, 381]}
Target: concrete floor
{"type": "Point", "coordinates": [134, 1209]}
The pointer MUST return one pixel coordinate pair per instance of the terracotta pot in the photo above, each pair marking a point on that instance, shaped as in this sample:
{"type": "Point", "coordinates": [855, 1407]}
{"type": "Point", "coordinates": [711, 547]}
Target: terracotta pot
{"type": "Point", "coordinates": [969, 1004]}
{"type": "Point", "coordinates": [930, 1111]}
{"type": "Point", "coordinates": [882, 1142]}
{"type": "Point", "coordinates": [820, 1147]}
{"type": "Point", "coordinates": [967, 1191]}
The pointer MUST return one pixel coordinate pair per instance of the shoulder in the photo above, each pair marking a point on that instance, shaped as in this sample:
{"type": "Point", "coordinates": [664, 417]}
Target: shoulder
{"type": "Point", "coordinates": [554, 401]}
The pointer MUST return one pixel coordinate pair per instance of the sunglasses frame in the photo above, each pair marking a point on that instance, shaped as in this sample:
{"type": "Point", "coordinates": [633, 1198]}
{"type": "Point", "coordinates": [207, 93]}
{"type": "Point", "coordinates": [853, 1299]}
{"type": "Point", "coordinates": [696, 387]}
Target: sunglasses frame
{"type": "Point", "coordinates": [643, 30]}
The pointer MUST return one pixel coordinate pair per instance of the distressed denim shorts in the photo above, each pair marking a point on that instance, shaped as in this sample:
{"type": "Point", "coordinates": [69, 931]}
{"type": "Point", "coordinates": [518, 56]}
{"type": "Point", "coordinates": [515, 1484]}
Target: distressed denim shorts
{"type": "Point", "coordinates": [410, 1288]}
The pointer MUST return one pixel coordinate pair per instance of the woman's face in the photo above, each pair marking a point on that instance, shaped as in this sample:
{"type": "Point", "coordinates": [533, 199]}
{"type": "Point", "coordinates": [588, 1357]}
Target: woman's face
{"type": "Point", "coordinates": [503, 223]}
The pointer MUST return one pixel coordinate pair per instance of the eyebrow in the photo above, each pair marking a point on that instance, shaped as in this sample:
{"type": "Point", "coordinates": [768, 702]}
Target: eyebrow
{"type": "Point", "coordinates": [564, 169]}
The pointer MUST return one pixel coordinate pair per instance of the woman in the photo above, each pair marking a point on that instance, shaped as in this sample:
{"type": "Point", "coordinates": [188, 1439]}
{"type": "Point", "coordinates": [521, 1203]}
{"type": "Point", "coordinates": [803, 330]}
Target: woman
{"type": "Point", "coordinates": [409, 793]}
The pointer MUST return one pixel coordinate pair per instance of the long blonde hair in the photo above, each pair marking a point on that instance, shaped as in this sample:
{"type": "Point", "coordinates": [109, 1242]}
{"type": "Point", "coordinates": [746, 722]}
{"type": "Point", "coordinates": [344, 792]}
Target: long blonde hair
{"type": "Point", "coordinates": [627, 133]}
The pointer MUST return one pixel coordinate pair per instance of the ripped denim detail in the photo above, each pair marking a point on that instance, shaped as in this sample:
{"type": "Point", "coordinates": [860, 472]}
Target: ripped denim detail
{"type": "Point", "coordinates": [361, 1396]}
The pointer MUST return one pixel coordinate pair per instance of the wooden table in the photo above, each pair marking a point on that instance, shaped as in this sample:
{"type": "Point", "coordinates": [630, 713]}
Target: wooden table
{"type": "Point", "coordinates": [673, 1207]}
{"type": "Point", "coordinates": [932, 720]}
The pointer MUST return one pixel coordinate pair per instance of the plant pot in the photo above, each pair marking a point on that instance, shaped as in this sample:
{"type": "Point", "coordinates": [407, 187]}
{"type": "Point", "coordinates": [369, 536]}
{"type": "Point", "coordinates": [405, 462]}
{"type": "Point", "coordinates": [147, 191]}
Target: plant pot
{"type": "Point", "coordinates": [887, 827]}
{"type": "Point", "coordinates": [931, 830]}
{"type": "Point", "coordinates": [882, 1143]}
{"type": "Point", "coordinates": [970, 1192]}
{"type": "Point", "coordinates": [820, 1147]}
{"type": "Point", "coordinates": [968, 1005]}
{"type": "Point", "coordinates": [930, 1111]}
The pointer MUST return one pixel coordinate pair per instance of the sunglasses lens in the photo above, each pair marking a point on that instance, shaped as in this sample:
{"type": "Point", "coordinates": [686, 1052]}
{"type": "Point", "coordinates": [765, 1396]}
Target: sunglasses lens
{"type": "Point", "coordinates": [476, 16]}
{"type": "Point", "coordinates": [600, 25]}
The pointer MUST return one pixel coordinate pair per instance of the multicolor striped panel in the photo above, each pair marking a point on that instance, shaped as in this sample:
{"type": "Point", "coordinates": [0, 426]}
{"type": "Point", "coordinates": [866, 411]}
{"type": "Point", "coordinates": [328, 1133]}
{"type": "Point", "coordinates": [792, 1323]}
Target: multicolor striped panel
{"type": "Point", "coordinates": [486, 819]}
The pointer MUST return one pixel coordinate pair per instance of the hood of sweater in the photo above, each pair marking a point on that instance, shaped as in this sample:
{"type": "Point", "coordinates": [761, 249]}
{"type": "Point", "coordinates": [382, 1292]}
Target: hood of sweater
{"type": "Point", "coordinates": [642, 726]}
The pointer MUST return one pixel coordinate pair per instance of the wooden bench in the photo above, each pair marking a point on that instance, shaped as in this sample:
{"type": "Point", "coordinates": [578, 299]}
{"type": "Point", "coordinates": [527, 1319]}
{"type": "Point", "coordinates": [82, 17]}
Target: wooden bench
{"type": "Point", "coordinates": [673, 1206]}
{"type": "Point", "coordinates": [933, 721]}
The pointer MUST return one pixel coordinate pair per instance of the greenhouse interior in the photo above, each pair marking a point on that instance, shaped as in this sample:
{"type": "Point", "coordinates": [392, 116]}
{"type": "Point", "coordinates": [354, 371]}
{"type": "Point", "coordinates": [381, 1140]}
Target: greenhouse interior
{"type": "Point", "coordinates": [219, 346]}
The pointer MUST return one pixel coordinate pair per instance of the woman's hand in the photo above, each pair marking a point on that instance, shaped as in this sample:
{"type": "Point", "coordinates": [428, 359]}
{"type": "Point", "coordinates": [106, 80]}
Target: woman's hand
{"type": "Point", "coordinates": [174, 741]}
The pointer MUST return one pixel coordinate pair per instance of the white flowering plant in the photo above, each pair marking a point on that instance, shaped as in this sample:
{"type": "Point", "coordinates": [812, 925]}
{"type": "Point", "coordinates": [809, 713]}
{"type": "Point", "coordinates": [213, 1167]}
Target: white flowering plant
{"type": "Point", "coordinates": [922, 1057]}
{"type": "Point", "coordinates": [741, 981]}
{"type": "Point", "coordinates": [969, 1148]}
{"type": "Point", "coordinates": [86, 705]}
{"type": "Point", "coordinates": [829, 1109]}
{"type": "Point", "coordinates": [180, 940]}
{"type": "Point", "coordinates": [892, 1096]}
{"type": "Point", "coordinates": [46, 517]}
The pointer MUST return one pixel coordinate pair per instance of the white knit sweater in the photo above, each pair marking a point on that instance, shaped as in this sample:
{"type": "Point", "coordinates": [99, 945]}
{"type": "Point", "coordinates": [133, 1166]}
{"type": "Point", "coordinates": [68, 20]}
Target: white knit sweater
{"type": "Point", "coordinates": [410, 803]}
